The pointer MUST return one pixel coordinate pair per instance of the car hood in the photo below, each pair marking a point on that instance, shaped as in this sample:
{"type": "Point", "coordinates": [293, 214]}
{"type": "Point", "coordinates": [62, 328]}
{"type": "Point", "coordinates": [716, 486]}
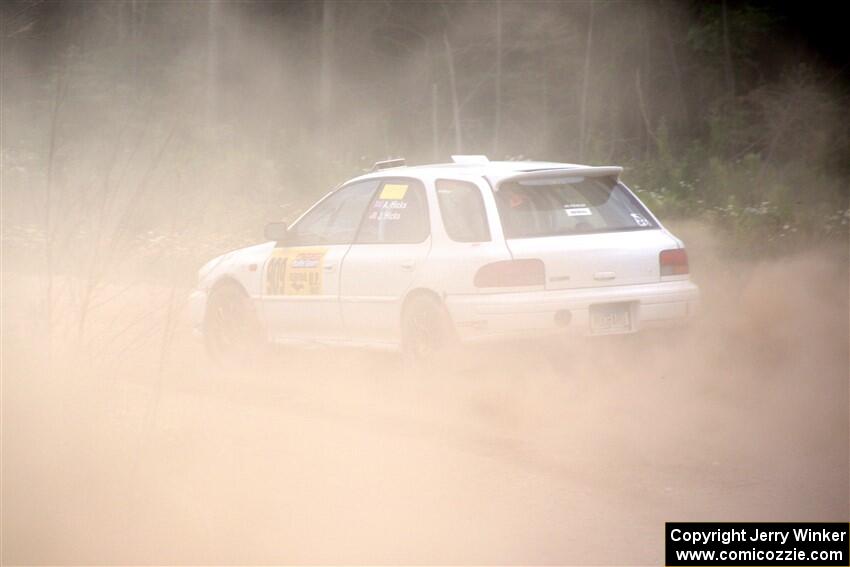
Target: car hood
{"type": "Point", "coordinates": [223, 263]}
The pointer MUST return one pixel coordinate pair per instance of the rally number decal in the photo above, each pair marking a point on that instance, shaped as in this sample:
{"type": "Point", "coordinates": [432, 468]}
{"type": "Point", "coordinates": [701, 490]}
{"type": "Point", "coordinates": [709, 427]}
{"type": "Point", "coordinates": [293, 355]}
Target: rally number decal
{"type": "Point", "coordinates": [295, 271]}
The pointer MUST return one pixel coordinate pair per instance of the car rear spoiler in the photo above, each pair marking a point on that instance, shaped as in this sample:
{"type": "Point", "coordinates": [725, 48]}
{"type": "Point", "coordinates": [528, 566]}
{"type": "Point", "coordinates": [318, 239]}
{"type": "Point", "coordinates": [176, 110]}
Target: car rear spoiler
{"type": "Point", "coordinates": [604, 171]}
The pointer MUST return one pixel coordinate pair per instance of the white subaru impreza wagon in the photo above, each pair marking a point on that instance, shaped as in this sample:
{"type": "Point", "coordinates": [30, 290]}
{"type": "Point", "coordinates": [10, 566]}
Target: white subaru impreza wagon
{"type": "Point", "coordinates": [417, 258]}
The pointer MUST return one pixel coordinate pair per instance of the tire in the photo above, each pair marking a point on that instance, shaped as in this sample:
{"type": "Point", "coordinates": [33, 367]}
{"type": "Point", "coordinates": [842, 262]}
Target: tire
{"type": "Point", "coordinates": [232, 331]}
{"type": "Point", "coordinates": [427, 333]}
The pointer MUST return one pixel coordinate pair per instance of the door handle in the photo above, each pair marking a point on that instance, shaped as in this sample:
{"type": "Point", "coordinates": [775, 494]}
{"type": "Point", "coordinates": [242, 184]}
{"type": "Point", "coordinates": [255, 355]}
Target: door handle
{"type": "Point", "coordinates": [407, 264]}
{"type": "Point", "coordinates": [328, 267]}
{"type": "Point", "coordinates": [604, 275]}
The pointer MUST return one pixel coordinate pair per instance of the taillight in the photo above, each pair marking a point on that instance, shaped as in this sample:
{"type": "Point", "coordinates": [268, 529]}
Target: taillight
{"type": "Point", "coordinates": [511, 273]}
{"type": "Point", "coordinates": [673, 262]}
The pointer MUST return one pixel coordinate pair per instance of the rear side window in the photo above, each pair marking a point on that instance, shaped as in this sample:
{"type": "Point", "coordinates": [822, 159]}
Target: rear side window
{"type": "Point", "coordinates": [462, 209]}
{"type": "Point", "coordinates": [398, 214]}
{"type": "Point", "coordinates": [569, 205]}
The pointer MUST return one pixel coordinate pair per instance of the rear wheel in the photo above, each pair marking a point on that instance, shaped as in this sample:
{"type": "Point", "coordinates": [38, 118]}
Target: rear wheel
{"type": "Point", "coordinates": [427, 332]}
{"type": "Point", "coordinates": [232, 331]}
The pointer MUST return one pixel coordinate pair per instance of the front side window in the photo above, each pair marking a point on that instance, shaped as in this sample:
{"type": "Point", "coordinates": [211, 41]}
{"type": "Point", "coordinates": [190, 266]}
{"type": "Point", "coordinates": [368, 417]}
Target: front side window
{"type": "Point", "coordinates": [462, 209]}
{"type": "Point", "coordinates": [397, 215]}
{"type": "Point", "coordinates": [568, 205]}
{"type": "Point", "coordinates": [336, 218]}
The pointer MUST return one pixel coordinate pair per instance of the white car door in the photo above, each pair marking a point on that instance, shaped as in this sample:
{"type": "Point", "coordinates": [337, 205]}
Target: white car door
{"type": "Point", "coordinates": [382, 264]}
{"type": "Point", "coordinates": [301, 277]}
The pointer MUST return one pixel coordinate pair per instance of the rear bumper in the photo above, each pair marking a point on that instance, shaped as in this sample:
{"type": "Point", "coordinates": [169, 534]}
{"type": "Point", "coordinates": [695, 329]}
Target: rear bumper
{"type": "Point", "coordinates": [508, 315]}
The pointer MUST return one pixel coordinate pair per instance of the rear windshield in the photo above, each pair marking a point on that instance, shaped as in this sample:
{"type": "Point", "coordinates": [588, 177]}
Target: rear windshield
{"type": "Point", "coordinates": [568, 205]}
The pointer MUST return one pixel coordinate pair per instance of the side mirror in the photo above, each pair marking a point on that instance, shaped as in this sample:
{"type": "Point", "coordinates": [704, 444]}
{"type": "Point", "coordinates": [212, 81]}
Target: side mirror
{"type": "Point", "coordinates": [275, 231]}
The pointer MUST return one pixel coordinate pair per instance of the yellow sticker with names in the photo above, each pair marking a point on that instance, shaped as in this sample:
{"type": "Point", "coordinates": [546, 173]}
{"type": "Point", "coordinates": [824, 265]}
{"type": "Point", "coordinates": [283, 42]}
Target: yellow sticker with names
{"type": "Point", "coordinates": [393, 191]}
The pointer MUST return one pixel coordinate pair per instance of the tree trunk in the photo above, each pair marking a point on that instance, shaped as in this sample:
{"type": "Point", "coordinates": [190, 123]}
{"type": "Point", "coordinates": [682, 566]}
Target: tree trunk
{"type": "Point", "coordinates": [435, 137]}
{"type": "Point", "coordinates": [677, 71]}
{"type": "Point", "coordinates": [212, 63]}
{"type": "Point", "coordinates": [497, 119]}
{"type": "Point", "coordinates": [584, 86]}
{"type": "Point", "coordinates": [453, 87]}
{"type": "Point", "coordinates": [49, 205]}
{"type": "Point", "coordinates": [326, 70]}
{"type": "Point", "coordinates": [728, 71]}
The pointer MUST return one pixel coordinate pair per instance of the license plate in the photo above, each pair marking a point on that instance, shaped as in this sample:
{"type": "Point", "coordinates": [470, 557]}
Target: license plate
{"type": "Point", "coordinates": [610, 318]}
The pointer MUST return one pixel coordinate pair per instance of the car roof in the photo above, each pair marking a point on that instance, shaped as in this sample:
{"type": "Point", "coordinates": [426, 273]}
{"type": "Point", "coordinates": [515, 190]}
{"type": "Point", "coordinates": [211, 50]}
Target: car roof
{"type": "Point", "coordinates": [494, 171]}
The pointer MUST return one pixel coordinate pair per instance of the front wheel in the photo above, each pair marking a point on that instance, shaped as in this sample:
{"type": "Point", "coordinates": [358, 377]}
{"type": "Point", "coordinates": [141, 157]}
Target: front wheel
{"type": "Point", "coordinates": [232, 331]}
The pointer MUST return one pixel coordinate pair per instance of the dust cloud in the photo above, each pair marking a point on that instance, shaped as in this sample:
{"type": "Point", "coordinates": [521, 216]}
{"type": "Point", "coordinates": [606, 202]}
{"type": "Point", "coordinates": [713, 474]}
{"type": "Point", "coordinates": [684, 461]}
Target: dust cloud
{"type": "Point", "coordinates": [528, 453]}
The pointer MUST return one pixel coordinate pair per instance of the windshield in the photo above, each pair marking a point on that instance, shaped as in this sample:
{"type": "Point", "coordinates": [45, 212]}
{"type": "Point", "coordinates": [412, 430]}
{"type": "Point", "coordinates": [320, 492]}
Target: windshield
{"type": "Point", "coordinates": [569, 205]}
